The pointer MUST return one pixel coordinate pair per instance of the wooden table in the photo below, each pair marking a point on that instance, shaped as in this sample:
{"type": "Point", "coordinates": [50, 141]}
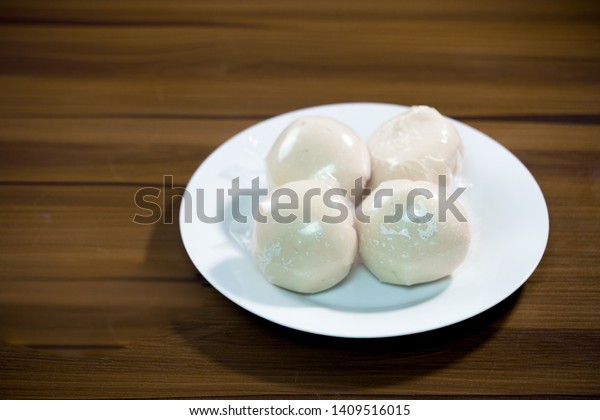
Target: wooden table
{"type": "Point", "coordinates": [99, 99]}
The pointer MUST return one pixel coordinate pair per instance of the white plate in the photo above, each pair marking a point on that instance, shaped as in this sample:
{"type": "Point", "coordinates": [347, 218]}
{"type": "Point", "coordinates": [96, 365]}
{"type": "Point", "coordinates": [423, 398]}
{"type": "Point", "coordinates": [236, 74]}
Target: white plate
{"type": "Point", "coordinates": [506, 209]}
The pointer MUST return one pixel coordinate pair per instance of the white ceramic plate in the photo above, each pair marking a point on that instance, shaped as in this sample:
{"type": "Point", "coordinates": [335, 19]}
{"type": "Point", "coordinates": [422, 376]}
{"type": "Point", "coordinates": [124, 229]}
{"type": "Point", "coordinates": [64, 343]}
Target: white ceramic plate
{"type": "Point", "coordinates": [507, 212]}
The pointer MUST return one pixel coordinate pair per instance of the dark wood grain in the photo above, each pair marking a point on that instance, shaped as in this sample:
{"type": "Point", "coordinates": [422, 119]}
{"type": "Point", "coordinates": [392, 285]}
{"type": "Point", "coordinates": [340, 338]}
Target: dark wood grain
{"type": "Point", "coordinates": [99, 99]}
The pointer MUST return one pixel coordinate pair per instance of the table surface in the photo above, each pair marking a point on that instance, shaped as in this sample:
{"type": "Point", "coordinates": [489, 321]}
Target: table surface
{"type": "Point", "coordinates": [99, 99]}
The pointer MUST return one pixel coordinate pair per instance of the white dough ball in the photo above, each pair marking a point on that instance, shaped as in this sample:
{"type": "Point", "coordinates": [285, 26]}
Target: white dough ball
{"type": "Point", "coordinates": [420, 144]}
{"type": "Point", "coordinates": [306, 255]}
{"type": "Point", "coordinates": [318, 148]}
{"type": "Point", "coordinates": [407, 250]}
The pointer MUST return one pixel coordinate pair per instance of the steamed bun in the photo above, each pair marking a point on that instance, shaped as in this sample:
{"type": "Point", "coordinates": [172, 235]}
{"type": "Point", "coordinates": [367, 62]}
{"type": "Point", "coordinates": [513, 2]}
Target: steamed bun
{"type": "Point", "coordinates": [420, 145]}
{"type": "Point", "coordinates": [319, 148]}
{"type": "Point", "coordinates": [408, 250]}
{"type": "Point", "coordinates": [306, 255]}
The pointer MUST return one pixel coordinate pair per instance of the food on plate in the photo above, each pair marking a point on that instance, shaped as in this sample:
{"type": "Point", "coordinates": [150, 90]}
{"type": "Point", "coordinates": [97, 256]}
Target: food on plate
{"type": "Point", "coordinates": [404, 231]}
{"type": "Point", "coordinates": [419, 144]}
{"type": "Point", "coordinates": [408, 237]}
{"type": "Point", "coordinates": [307, 244]}
{"type": "Point", "coordinates": [319, 148]}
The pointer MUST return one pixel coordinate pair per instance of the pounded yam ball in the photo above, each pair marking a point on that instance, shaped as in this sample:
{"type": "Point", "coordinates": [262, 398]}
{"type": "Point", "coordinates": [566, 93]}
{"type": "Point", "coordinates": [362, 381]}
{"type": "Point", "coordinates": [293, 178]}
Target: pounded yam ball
{"type": "Point", "coordinates": [420, 144]}
{"type": "Point", "coordinates": [410, 250]}
{"type": "Point", "coordinates": [319, 148]}
{"type": "Point", "coordinates": [310, 253]}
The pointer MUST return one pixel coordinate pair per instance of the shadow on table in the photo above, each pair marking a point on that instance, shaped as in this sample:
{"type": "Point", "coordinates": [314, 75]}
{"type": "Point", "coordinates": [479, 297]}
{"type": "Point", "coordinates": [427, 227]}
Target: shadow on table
{"type": "Point", "coordinates": [109, 308]}
{"type": "Point", "coordinates": [326, 365]}
{"type": "Point", "coordinates": [295, 361]}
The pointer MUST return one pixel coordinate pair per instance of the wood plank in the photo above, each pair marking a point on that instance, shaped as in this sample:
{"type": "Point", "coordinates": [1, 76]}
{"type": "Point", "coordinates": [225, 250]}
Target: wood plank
{"type": "Point", "coordinates": [109, 150]}
{"type": "Point", "coordinates": [190, 11]}
{"type": "Point", "coordinates": [142, 151]}
{"type": "Point", "coordinates": [66, 233]}
{"type": "Point", "coordinates": [79, 70]}
{"type": "Point", "coordinates": [89, 47]}
{"type": "Point", "coordinates": [25, 96]}
{"type": "Point", "coordinates": [201, 358]}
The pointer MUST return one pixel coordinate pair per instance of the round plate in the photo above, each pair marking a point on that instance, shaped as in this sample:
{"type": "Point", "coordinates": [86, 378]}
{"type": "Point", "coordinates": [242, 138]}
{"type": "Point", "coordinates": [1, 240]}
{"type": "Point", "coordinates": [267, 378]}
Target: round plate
{"type": "Point", "coordinates": [506, 209]}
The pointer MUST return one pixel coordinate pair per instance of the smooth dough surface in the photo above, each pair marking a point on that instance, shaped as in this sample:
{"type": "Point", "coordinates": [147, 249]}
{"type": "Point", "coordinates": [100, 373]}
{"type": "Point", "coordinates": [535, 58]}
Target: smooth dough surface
{"type": "Point", "coordinates": [318, 148]}
{"type": "Point", "coordinates": [307, 255]}
{"type": "Point", "coordinates": [406, 251]}
{"type": "Point", "coordinates": [420, 145]}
